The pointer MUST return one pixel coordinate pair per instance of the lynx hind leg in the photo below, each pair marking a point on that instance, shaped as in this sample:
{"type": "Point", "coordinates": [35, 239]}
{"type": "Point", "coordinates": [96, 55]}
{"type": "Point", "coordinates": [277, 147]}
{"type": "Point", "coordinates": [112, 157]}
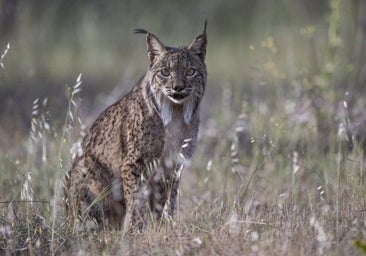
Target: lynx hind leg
{"type": "Point", "coordinates": [90, 195]}
{"type": "Point", "coordinates": [73, 186]}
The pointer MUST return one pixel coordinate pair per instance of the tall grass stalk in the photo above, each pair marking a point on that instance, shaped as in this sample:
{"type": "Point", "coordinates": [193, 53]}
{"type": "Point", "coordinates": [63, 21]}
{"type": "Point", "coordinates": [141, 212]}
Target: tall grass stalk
{"type": "Point", "coordinates": [2, 65]}
{"type": "Point", "coordinates": [70, 116]}
{"type": "Point", "coordinates": [338, 187]}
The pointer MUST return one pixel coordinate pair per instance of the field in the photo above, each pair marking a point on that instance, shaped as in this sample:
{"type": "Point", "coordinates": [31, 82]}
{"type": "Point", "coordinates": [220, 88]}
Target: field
{"type": "Point", "coordinates": [280, 163]}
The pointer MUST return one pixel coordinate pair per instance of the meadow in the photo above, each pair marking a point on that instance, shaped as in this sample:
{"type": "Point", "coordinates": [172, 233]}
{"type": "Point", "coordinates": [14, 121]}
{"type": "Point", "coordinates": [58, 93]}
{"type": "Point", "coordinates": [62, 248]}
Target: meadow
{"type": "Point", "coordinates": [280, 163]}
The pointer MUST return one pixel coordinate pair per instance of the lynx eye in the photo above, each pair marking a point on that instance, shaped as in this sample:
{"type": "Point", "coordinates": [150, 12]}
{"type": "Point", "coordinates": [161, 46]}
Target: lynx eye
{"type": "Point", "coordinates": [190, 72]}
{"type": "Point", "coordinates": [165, 72]}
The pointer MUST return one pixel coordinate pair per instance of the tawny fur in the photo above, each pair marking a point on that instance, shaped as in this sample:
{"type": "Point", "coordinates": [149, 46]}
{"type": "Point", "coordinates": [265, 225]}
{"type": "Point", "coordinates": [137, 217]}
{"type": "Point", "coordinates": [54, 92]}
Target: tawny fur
{"type": "Point", "coordinates": [133, 153]}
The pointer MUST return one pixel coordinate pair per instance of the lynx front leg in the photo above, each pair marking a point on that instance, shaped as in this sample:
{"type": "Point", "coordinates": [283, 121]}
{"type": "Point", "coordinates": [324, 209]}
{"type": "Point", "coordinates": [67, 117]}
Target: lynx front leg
{"type": "Point", "coordinates": [158, 194]}
{"type": "Point", "coordinates": [134, 218]}
{"type": "Point", "coordinates": [164, 192]}
{"type": "Point", "coordinates": [174, 191]}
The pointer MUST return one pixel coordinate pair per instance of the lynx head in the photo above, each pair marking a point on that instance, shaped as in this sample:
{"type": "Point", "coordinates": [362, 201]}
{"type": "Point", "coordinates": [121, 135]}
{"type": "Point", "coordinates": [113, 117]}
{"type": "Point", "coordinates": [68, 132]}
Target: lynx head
{"type": "Point", "coordinates": [176, 75]}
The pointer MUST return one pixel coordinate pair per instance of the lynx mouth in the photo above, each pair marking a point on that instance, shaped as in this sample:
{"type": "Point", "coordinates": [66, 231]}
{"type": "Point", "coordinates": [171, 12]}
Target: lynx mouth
{"type": "Point", "coordinates": [178, 97]}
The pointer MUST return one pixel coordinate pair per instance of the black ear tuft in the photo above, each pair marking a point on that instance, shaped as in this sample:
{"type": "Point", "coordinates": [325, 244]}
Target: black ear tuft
{"type": "Point", "coordinates": [153, 45]}
{"type": "Point", "coordinates": [199, 44]}
{"type": "Point", "coordinates": [141, 31]}
{"type": "Point", "coordinates": [204, 27]}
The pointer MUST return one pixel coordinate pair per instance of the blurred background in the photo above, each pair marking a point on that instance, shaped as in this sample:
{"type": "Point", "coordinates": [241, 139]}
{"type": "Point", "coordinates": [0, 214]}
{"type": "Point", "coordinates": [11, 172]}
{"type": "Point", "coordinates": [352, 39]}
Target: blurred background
{"type": "Point", "coordinates": [291, 64]}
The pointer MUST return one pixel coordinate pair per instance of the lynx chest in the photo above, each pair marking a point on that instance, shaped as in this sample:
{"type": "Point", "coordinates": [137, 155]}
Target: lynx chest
{"type": "Point", "coordinates": [175, 136]}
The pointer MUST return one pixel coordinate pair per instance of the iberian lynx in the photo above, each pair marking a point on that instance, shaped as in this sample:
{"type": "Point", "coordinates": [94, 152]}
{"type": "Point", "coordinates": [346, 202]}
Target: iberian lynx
{"type": "Point", "coordinates": [133, 153]}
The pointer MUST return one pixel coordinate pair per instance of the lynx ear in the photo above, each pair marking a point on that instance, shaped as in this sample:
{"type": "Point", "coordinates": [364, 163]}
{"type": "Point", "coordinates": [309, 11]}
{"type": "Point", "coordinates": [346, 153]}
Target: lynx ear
{"type": "Point", "coordinates": [199, 44]}
{"type": "Point", "coordinates": [154, 46]}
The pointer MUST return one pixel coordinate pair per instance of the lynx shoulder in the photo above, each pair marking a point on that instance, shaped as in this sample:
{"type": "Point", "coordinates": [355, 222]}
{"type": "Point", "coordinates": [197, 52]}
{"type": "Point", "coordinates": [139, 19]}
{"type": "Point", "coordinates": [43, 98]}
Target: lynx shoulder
{"type": "Point", "coordinates": [134, 151]}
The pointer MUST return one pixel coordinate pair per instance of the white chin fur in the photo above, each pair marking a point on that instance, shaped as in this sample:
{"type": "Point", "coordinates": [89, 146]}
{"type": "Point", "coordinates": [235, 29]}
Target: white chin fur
{"type": "Point", "coordinates": [167, 112]}
{"type": "Point", "coordinates": [177, 101]}
{"type": "Point", "coordinates": [188, 109]}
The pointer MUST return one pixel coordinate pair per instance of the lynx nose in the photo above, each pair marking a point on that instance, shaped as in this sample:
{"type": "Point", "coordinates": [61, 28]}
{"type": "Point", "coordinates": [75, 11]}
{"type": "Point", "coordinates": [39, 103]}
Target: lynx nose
{"type": "Point", "coordinates": [178, 88]}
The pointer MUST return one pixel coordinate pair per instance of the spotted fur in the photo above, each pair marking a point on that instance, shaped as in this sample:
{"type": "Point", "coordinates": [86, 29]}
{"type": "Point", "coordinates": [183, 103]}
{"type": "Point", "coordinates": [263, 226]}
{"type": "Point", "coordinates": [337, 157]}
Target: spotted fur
{"type": "Point", "coordinates": [134, 151]}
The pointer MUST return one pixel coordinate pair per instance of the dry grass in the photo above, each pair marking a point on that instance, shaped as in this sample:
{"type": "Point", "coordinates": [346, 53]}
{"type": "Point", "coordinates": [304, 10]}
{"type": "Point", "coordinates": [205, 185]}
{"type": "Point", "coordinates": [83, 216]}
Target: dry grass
{"type": "Point", "coordinates": [242, 194]}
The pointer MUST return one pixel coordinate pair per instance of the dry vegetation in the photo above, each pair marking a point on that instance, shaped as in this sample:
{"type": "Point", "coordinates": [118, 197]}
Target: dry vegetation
{"type": "Point", "coordinates": [242, 195]}
{"type": "Point", "coordinates": [279, 168]}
